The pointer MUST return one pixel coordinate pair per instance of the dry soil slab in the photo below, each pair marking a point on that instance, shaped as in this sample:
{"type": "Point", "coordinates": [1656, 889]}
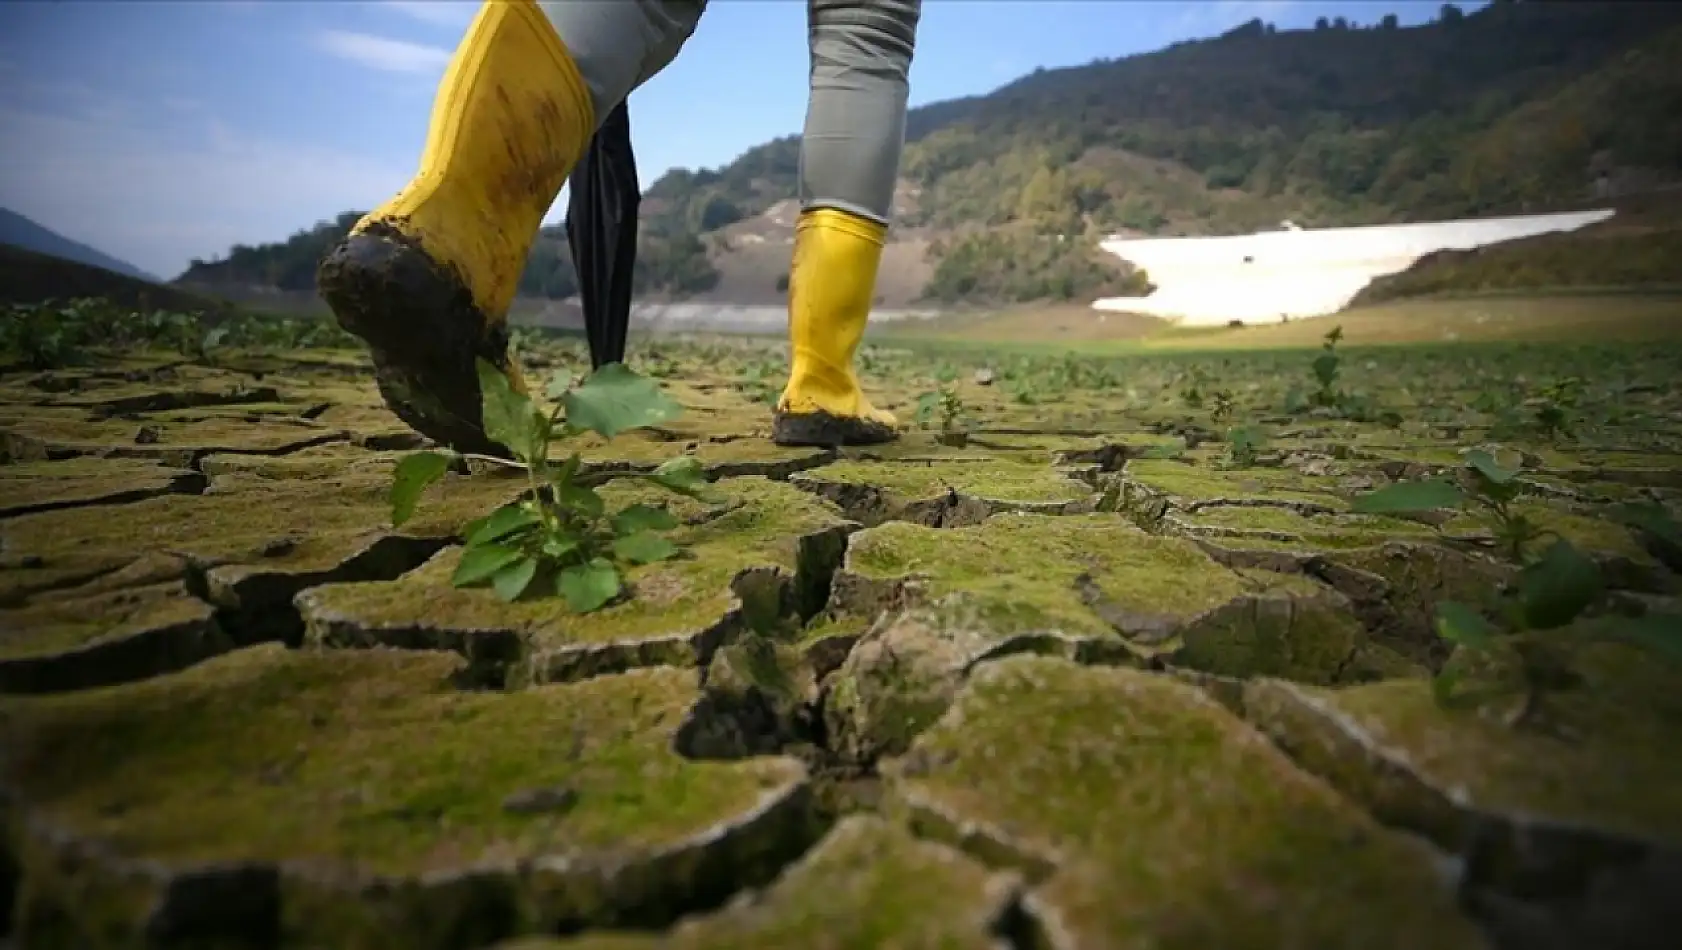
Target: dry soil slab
{"type": "Point", "coordinates": [946, 489]}
{"type": "Point", "coordinates": [247, 547]}
{"type": "Point", "coordinates": [1092, 588]}
{"type": "Point", "coordinates": [866, 886]}
{"type": "Point", "coordinates": [173, 438]}
{"type": "Point", "coordinates": [76, 639]}
{"type": "Point", "coordinates": [1147, 815]}
{"type": "Point", "coordinates": [1585, 785]}
{"type": "Point", "coordinates": [362, 800]}
{"type": "Point", "coordinates": [42, 486]}
{"type": "Point", "coordinates": [1046, 636]}
{"type": "Point", "coordinates": [761, 559]}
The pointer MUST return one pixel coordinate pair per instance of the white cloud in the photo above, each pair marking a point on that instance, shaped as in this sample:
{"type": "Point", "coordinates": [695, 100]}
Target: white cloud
{"type": "Point", "coordinates": [157, 200]}
{"type": "Point", "coordinates": [383, 53]}
{"type": "Point", "coordinates": [435, 12]}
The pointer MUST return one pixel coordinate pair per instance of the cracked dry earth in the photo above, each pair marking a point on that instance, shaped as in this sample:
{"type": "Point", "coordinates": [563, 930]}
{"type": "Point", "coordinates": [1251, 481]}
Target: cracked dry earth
{"type": "Point", "coordinates": [1036, 691]}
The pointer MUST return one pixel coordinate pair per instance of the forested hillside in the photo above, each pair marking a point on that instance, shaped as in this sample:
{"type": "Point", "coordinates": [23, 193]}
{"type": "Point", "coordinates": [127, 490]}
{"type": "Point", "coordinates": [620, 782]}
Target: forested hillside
{"type": "Point", "coordinates": [1519, 106]}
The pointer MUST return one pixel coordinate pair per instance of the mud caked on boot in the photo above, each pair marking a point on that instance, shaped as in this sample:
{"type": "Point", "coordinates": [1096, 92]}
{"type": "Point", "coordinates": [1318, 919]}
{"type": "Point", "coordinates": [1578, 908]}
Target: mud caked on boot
{"type": "Point", "coordinates": [830, 285]}
{"type": "Point", "coordinates": [426, 279]}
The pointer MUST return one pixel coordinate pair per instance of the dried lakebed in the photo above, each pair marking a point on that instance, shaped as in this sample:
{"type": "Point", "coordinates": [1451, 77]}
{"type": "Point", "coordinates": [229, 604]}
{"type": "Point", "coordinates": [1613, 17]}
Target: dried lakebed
{"type": "Point", "coordinates": [1037, 690]}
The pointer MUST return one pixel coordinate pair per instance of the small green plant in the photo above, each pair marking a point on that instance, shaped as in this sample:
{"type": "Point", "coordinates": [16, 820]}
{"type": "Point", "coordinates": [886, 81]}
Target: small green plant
{"type": "Point", "coordinates": [943, 408]}
{"type": "Point", "coordinates": [1326, 369]}
{"type": "Point", "coordinates": [1192, 393]}
{"type": "Point", "coordinates": [1554, 412]}
{"type": "Point", "coordinates": [40, 337]}
{"type": "Point", "coordinates": [1225, 405]}
{"type": "Point", "coordinates": [559, 534]}
{"type": "Point", "coordinates": [1243, 447]}
{"type": "Point", "coordinates": [761, 381]}
{"type": "Point", "coordinates": [1557, 587]}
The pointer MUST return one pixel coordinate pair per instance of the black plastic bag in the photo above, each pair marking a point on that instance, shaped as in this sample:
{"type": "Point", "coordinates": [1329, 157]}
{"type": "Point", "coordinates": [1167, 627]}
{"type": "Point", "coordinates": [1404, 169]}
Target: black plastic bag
{"type": "Point", "coordinates": [602, 232]}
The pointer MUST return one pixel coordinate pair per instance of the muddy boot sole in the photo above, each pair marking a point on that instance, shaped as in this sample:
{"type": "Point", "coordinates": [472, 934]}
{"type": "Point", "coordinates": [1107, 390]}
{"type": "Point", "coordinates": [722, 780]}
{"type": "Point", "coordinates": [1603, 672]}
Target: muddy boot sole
{"type": "Point", "coordinates": [828, 431]}
{"type": "Point", "coordinates": [423, 331]}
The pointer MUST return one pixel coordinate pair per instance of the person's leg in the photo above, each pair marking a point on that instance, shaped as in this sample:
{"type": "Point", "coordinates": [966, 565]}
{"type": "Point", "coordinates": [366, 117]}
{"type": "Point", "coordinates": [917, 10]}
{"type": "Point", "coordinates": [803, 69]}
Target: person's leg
{"type": "Point", "coordinates": [849, 161]}
{"type": "Point", "coordinates": [427, 278]}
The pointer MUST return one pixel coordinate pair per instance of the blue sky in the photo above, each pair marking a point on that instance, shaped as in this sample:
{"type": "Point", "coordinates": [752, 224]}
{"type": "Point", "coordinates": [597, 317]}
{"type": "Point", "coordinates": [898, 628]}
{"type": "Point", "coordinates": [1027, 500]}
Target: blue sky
{"type": "Point", "coordinates": [163, 131]}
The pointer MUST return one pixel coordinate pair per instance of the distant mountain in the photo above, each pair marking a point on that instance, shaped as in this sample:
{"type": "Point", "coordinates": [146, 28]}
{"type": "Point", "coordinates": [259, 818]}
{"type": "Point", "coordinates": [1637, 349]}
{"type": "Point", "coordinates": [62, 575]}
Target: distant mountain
{"type": "Point", "coordinates": [1522, 105]}
{"type": "Point", "coordinates": [19, 231]}
{"type": "Point", "coordinates": [27, 277]}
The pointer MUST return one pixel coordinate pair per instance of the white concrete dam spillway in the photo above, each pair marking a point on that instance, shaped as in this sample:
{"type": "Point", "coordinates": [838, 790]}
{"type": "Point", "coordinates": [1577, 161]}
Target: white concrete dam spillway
{"type": "Point", "coordinates": [1261, 278]}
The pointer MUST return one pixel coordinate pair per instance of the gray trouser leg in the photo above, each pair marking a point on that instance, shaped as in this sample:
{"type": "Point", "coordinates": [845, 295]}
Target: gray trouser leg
{"type": "Point", "coordinates": [855, 115]}
{"type": "Point", "coordinates": [619, 44]}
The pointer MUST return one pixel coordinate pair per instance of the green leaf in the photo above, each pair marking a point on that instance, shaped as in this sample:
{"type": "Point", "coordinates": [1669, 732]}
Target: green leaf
{"type": "Point", "coordinates": [1458, 623]}
{"type": "Point", "coordinates": [500, 524]}
{"type": "Point", "coordinates": [559, 384]}
{"type": "Point", "coordinates": [644, 547]}
{"type": "Point", "coordinates": [1558, 586]}
{"type": "Point", "coordinates": [559, 546]}
{"type": "Point", "coordinates": [1485, 465]}
{"type": "Point", "coordinates": [588, 587]}
{"type": "Point", "coordinates": [1325, 367]}
{"type": "Point", "coordinates": [1426, 495]}
{"type": "Point", "coordinates": [411, 478]}
{"type": "Point", "coordinates": [614, 399]}
{"type": "Point", "coordinates": [683, 475]}
{"type": "Point", "coordinates": [513, 579]}
{"type": "Point", "coordinates": [640, 517]}
{"type": "Point", "coordinates": [581, 499]}
{"type": "Point", "coordinates": [510, 418]}
{"type": "Point", "coordinates": [480, 563]}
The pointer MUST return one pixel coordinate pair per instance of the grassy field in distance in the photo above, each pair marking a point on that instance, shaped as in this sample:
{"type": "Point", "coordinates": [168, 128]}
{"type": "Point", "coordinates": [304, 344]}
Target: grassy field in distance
{"type": "Point", "coordinates": [1553, 318]}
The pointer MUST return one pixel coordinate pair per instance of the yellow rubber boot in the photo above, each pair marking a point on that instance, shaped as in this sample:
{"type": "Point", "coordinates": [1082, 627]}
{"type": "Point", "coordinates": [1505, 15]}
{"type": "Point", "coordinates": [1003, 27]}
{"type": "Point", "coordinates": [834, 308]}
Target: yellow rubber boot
{"type": "Point", "coordinates": [830, 285]}
{"type": "Point", "coordinates": [427, 278]}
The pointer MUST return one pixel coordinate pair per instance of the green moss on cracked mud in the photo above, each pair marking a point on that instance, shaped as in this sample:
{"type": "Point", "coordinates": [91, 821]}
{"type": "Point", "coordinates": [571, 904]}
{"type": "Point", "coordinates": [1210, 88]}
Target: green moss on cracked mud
{"type": "Point", "coordinates": [1192, 484]}
{"type": "Point", "coordinates": [866, 886]}
{"type": "Point", "coordinates": [991, 480]}
{"type": "Point", "coordinates": [1242, 527]}
{"type": "Point", "coordinates": [1600, 758]}
{"type": "Point", "coordinates": [51, 627]}
{"type": "Point", "coordinates": [1022, 568]}
{"type": "Point", "coordinates": [277, 526]}
{"type": "Point", "coordinates": [31, 486]}
{"type": "Point", "coordinates": [369, 763]}
{"type": "Point", "coordinates": [1161, 820]}
{"type": "Point", "coordinates": [760, 526]}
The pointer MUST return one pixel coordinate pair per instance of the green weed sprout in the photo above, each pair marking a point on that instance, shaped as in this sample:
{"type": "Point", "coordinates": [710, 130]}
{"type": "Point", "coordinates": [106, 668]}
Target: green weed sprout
{"type": "Point", "coordinates": [1225, 405]}
{"type": "Point", "coordinates": [559, 533]}
{"type": "Point", "coordinates": [1326, 370]}
{"type": "Point", "coordinates": [945, 406]}
{"type": "Point", "coordinates": [1555, 411]}
{"type": "Point", "coordinates": [1555, 588]}
{"type": "Point", "coordinates": [1243, 446]}
{"type": "Point", "coordinates": [761, 381]}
